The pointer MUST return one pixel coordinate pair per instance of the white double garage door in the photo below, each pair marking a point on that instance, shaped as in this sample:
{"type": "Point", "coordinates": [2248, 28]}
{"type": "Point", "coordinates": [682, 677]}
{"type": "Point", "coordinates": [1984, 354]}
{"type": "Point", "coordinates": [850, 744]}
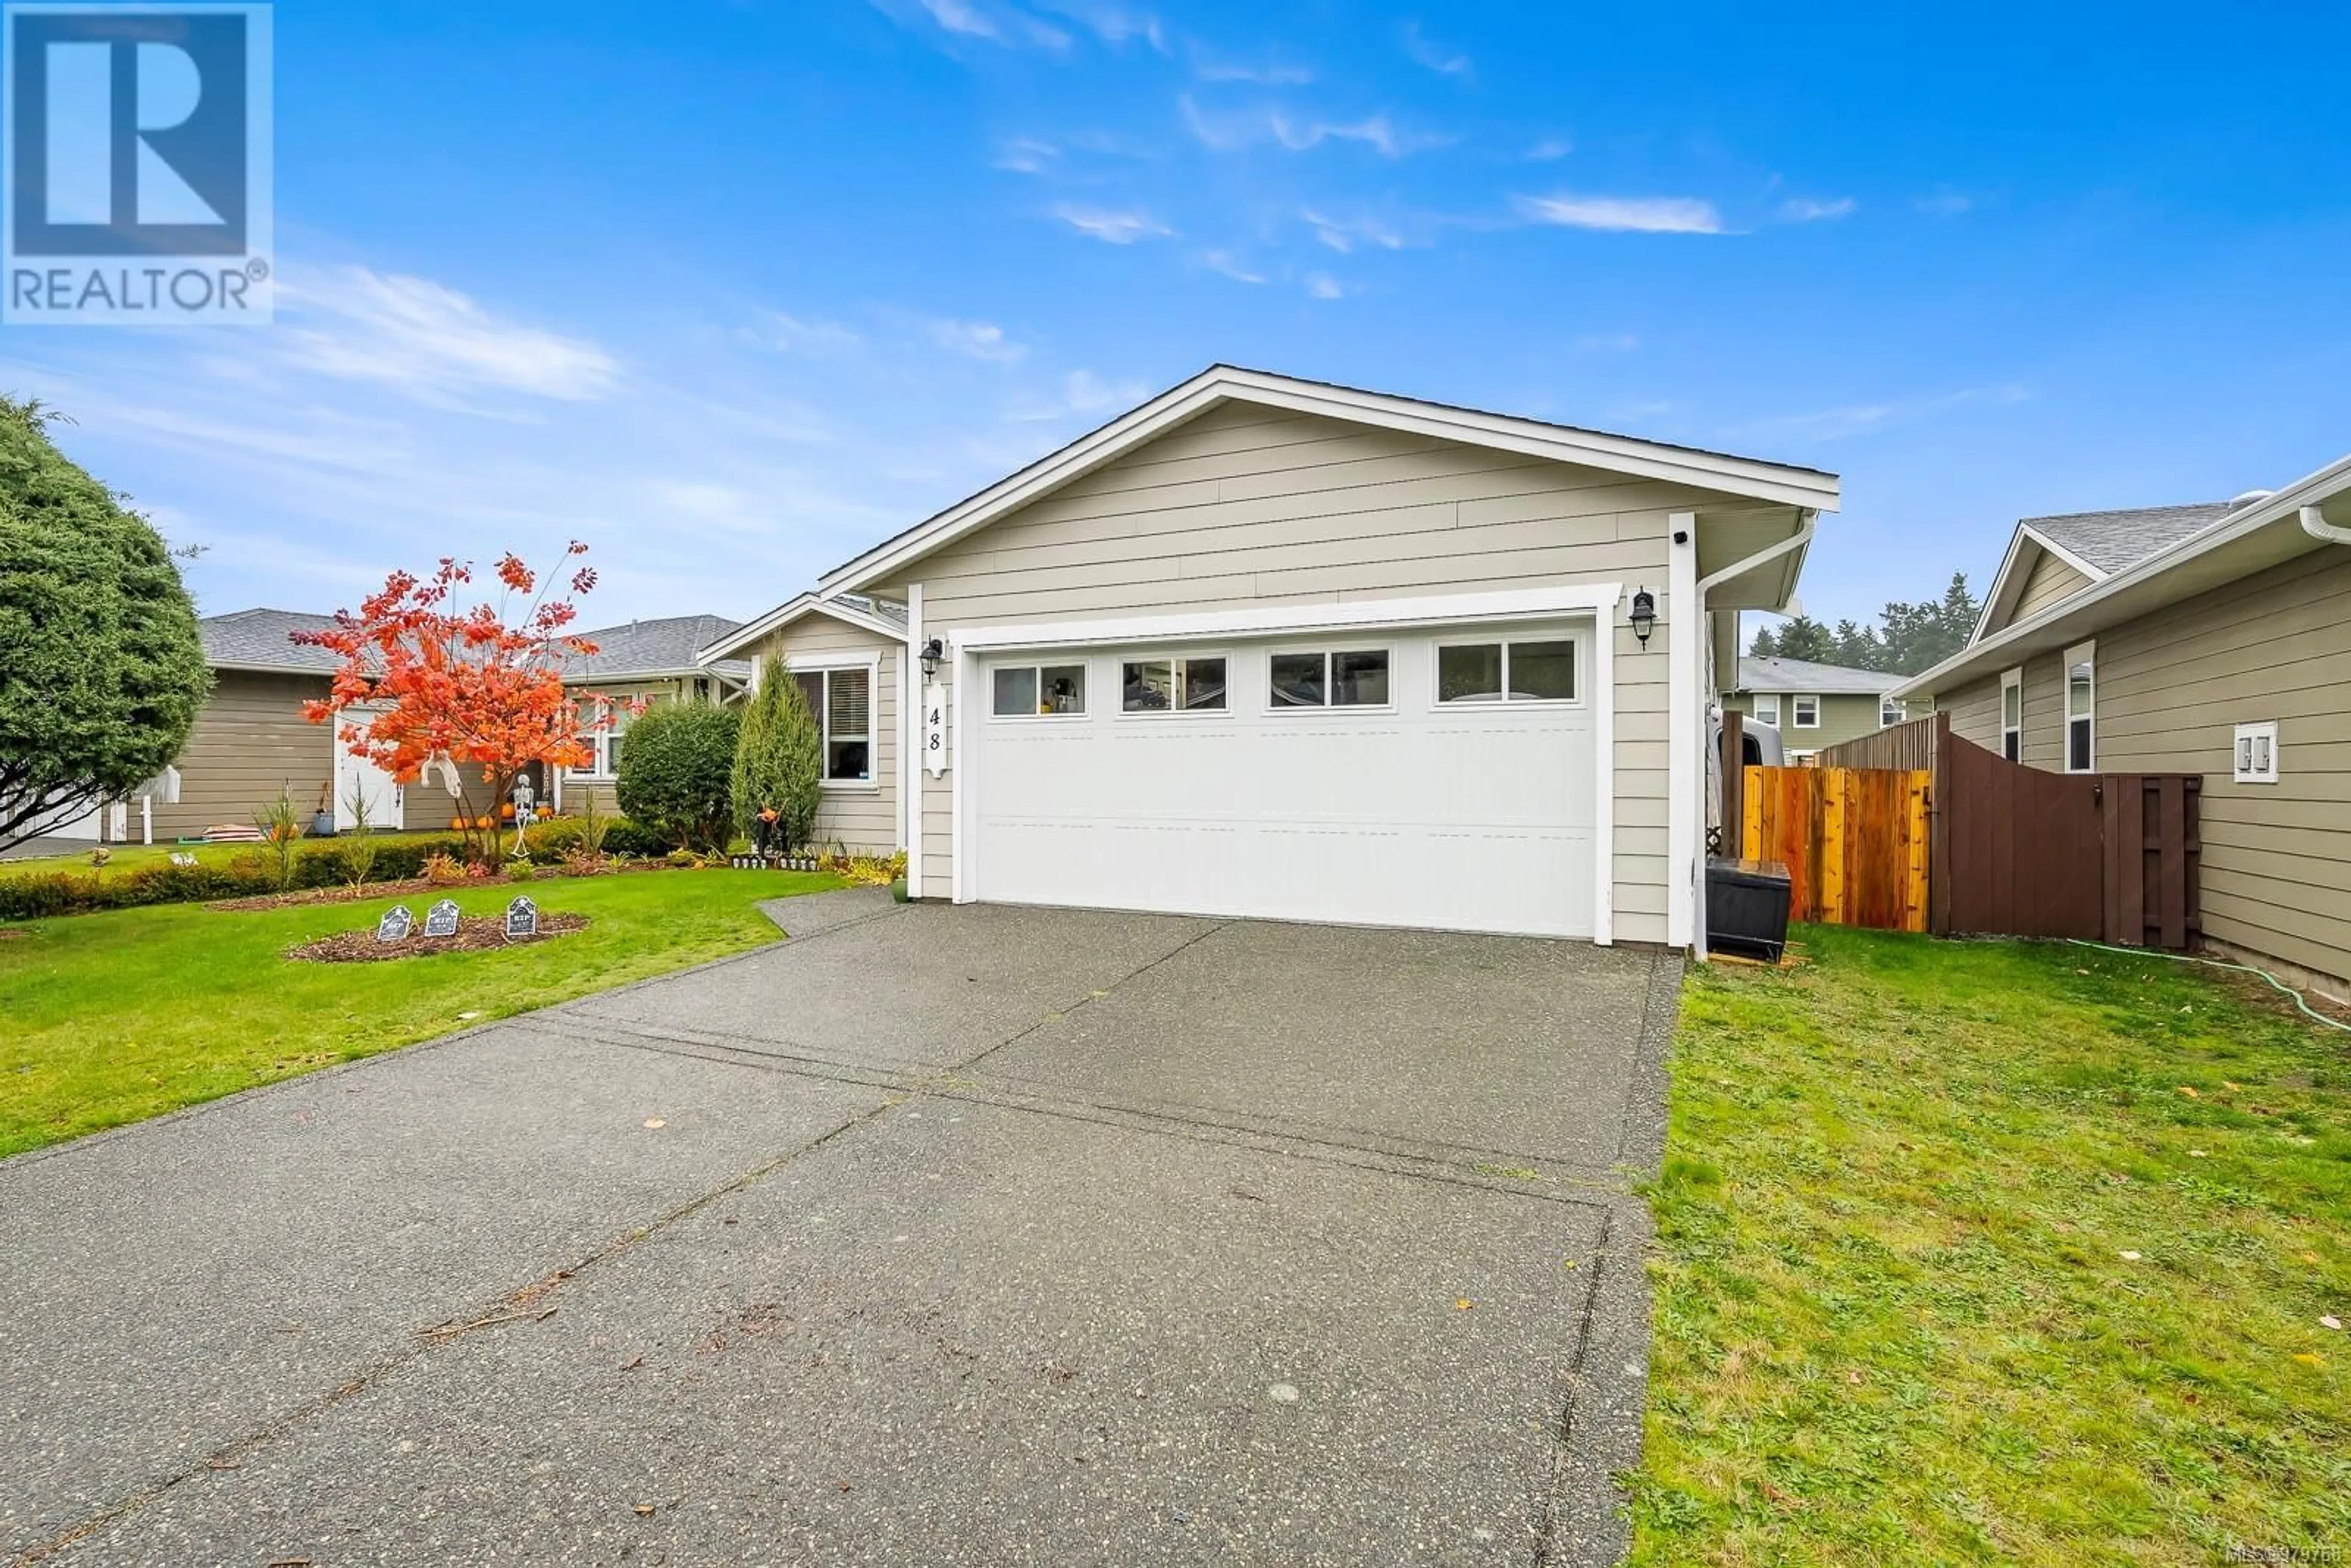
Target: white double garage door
{"type": "Point", "coordinates": [1437, 778]}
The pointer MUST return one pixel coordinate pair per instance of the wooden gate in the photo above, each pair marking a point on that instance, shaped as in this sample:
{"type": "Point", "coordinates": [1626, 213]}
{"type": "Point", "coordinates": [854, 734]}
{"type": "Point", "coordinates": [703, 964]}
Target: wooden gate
{"type": "Point", "coordinates": [1855, 841]}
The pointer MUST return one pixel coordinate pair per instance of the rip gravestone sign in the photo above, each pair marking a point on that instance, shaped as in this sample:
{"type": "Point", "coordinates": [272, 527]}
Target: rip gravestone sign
{"type": "Point", "coordinates": [396, 924]}
{"type": "Point", "coordinates": [441, 920]}
{"type": "Point", "coordinates": [522, 918]}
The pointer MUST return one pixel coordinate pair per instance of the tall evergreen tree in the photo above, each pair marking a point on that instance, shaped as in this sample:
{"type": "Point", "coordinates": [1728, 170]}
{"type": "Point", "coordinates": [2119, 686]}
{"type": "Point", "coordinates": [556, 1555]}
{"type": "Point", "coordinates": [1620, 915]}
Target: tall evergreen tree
{"type": "Point", "coordinates": [101, 669]}
{"type": "Point", "coordinates": [778, 760]}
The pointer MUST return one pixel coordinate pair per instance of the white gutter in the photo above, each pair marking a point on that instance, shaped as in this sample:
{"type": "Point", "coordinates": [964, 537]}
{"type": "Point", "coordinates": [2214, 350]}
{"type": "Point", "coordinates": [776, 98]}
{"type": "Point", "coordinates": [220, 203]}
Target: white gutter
{"type": "Point", "coordinates": [2314, 524]}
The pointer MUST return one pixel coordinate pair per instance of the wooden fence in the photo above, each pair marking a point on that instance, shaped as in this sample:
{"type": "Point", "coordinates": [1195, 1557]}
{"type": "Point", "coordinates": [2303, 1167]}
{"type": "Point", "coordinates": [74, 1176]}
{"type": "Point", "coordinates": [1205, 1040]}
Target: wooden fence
{"type": "Point", "coordinates": [1855, 841]}
{"type": "Point", "coordinates": [1914, 829]}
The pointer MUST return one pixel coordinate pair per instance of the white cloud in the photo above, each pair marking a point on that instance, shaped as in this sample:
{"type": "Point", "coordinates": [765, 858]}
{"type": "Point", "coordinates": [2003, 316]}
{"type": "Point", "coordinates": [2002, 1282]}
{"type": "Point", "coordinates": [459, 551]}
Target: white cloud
{"type": "Point", "coordinates": [1230, 266]}
{"type": "Point", "coordinates": [426, 340]}
{"type": "Point", "coordinates": [1629, 214]}
{"type": "Point", "coordinates": [790, 335]}
{"type": "Point", "coordinates": [1808, 209]}
{"type": "Point", "coordinates": [1234, 132]}
{"type": "Point", "coordinates": [1550, 150]}
{"type": "Point", "coordinates": [1270, 73]}
{"type": "Point", "coordinates": [1345, 234]}
{"type": "Point", "coordinates": [1113, 24]}
{"type": "Point", "coordinates": [1112, 227]}
{"type": "Point", "coordinates": [1322, 285]}
{"type": "Point", "coordinates": [1005, 25]}
{"type": "Point", "coordinates": [957, 16]}
{"type": "Point", "coordinates": [1445, 62]}
{"type": "Point", "coordinates": [1945, 202]}
{"type": "Point", "coordinates": [1027, 155]}
{"type": "Point", "coordinates": [1081, 392]}
{"type": "Point", "coordinates": [974, 340]}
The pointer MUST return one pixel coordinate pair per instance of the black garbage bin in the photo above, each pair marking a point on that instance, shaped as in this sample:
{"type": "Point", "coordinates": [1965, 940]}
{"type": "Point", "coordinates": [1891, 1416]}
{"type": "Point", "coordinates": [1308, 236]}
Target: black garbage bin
{"type": "Point", "coordinates": [1747, 908]}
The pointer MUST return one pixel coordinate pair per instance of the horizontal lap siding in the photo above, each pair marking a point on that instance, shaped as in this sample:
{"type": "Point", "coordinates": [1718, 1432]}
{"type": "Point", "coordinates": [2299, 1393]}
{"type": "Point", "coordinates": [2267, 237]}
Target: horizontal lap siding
{"type": "Point", "coordinates": [1975, 712]}
{"type": "Point", "coordinates": [2049, 581]}
{"type": "Point", "coordinates": [864, 822]}
{"type": "Point", "coordinates": [2171, 688]}
{"type": "Point", "coordinates": [250, 741]}
{"type": "Point", "coordinates": [1246, 506]}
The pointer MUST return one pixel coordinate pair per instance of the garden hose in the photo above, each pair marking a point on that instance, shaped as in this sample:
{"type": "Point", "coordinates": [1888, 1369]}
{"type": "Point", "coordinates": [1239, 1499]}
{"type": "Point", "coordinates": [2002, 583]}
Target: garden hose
{"type": "Point", "coordinates": [2276, 984]}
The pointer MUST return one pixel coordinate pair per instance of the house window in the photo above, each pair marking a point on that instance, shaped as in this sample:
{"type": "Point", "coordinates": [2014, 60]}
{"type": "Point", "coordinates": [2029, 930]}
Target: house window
{"type": "Point", "coordinates": [1172, 685]}
{"type": "Point", "coordinates": [1527, 672]}
{"type": "Point", "coordinates": [2012, 715]}
{"type": "Point", "coordinates": [602, 724]}
{"type": "Point", "coordinates": [2081, 706]}
{"type": "Point", "coordinates": [1358, 678]}
{"type": "Point", "coordinates": [1808, 712]}
{"type": "Point", "coordinates": [1889, 712]}
{"type": "Point", "coordinates": [2257, 753]}
{"type": "Point", "coordinates": [843, 704]}
{"type": "Point", "coordinates": [1767, 708]}
{"type": "Point", "coordinates": [1035, 691]}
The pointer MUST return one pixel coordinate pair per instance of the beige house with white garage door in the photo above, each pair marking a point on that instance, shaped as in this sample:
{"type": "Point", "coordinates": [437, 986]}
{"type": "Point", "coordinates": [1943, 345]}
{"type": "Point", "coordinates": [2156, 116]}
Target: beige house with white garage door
{"type": "Point", "coordinates": [2212, 639]}
{"type": "Point", "coordinates": [1269, 647]}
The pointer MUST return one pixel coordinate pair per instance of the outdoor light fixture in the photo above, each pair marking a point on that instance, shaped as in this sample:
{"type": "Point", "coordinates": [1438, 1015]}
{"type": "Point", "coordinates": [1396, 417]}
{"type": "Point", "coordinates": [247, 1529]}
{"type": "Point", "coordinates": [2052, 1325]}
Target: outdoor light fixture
{"type": "Point", "coordinates": [1644, 615]}
{"type": "Point", "coordinates": [933, 651]}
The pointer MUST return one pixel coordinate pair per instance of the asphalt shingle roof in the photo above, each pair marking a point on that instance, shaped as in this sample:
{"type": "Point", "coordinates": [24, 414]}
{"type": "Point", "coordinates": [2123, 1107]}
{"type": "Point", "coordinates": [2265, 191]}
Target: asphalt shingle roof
{"type": "Point", "coordinates": [1803, 675]}
{"type": "Point", "coordinates": [2117, 541]}
{"type": "Point", "coordinates": [653, 647]}
{"type": "Point", "coordinates": [259, 637]}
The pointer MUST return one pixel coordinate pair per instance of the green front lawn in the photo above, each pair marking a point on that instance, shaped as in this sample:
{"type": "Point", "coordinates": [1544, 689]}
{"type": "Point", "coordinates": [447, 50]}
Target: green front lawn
{"type": "Point", "coordinates": [1998, 1252]}
{"type": "Point", "coordinates": [128, 857]}
{"type": "Point", "coordinates": [112, 1017]}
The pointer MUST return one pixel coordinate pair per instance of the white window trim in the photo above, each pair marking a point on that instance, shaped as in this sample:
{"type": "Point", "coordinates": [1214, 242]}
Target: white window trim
{"type": "Point", "coordinates": [2250, 745]}
{"type": "Point", "coordinates": [2011, 681]}
{"type": "Point", "coordinates": [1796, 712]}
{"type": "Point", "coordinates": [1568, 635]}
{"type": "Point", "coordinates": [597, 736]}
{"type": "Point", "coordinates": [1164, 656]}
{"type": "Point", "coordinates": [1772, 718]}
{"type": "Point", "coordinates": [1901, 715]}
{"type": "Point", "coordinates": [2079, 653]}
{"type": "Point", "coordinates": [1038, 663]}
{"type": "Point", "coordinates": [825, 664]}
{"type": "Point", "coordinates": [1329, 648]}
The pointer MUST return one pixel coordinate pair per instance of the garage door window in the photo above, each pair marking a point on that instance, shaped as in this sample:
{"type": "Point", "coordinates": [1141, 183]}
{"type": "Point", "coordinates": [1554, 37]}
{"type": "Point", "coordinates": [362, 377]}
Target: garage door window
{"type": "Point", "coordinates": [1038, 691]}
{"type": "Point", "coordinates": [1353, 678]}
{"type": "Point", "coordinates": [1172, 685]}
{"type": "Point", "coordinates": [1530, 672]}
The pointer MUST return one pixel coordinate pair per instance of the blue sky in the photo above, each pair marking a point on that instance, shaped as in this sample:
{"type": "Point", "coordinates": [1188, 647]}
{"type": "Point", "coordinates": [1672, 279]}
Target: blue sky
{"type": "Point", "coordinates": [731, 290]}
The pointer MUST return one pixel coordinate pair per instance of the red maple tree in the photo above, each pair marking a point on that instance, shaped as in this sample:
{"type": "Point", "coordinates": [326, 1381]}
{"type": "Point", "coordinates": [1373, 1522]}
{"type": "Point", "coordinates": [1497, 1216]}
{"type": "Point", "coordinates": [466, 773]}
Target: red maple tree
{"type": "Point", "coordinates": [425, 685]}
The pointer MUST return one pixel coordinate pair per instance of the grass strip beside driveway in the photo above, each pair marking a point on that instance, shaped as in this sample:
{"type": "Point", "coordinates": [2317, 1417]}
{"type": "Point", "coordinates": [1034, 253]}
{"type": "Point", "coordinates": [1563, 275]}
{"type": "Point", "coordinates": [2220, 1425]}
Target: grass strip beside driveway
{"type": "Point", "coordinates": [1975, 1252]}
{"type": "Point", "coordinates": [110, 1018]}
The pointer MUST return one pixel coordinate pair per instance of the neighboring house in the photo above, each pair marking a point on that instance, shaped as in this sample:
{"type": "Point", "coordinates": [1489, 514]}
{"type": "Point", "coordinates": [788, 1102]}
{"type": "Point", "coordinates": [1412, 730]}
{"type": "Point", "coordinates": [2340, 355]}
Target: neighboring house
{"type": "Point", "coordinates": [848, 653]}
{"type": "Point", "coordinates": [2213, 639]}
{"type": "Point", "coordinates": [1813, 705]}
{"type": "Point", "coordinates": [1269, 647]}
{"type": "Point", "coordinates": [634, 667]}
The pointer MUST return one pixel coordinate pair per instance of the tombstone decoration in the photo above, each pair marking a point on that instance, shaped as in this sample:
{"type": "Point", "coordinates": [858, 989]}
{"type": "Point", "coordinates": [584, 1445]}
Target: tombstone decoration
{"type": "Point", "coordinates": [522, 918]}
{"type": "Point", "coordinates": [396, 924]}
{"type": "Point", "coordinates": [441, 920]}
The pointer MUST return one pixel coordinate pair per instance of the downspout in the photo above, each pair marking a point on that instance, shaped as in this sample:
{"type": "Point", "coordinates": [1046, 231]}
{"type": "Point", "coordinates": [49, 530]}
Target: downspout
{"type": "Point", "coordinates": [2314, 524]}
{"type": "Point", "coordinates": [1809, 524]}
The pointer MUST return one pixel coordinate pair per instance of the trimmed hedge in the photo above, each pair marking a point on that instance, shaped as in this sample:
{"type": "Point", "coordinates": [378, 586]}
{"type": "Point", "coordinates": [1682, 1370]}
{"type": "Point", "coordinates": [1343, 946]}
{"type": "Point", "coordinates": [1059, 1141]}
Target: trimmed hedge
{"type": "Point", "coordinates": [38, 895]}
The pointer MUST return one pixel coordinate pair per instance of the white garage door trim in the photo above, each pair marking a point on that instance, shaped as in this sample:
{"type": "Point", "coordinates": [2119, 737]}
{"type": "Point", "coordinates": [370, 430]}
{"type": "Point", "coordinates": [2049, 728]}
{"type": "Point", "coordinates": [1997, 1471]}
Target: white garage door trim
{"type": "Point", "coordinates": [1599, 600]}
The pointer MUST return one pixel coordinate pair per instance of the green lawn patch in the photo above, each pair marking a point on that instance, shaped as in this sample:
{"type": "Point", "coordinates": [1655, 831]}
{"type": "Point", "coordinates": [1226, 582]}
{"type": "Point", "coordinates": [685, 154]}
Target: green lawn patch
{"type": "Point", "coordinates": [1899, 1316]}
{"type": "Point", "coordinates": [113, 1017]}
{"type": "Point", "coordinates": [130, 857]}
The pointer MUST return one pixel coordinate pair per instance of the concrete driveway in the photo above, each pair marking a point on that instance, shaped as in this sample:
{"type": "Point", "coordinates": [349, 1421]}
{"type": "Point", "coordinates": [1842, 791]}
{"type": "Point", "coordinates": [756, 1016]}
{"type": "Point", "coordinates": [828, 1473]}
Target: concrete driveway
{"type": "Point", "coordinates": [932, 1235]}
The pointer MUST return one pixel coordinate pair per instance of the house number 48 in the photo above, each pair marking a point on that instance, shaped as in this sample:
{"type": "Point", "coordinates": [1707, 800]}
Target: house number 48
{"type": "Point", "coordinates": [935, 729]}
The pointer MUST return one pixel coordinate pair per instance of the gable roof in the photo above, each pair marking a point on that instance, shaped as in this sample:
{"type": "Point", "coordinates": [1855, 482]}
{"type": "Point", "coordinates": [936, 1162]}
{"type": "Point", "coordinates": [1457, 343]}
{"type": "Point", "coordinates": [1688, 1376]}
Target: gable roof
{"type": "Point", "coordinates": [879, 616]}
{"type": "Point", "coordinates": [2253, 534]}
{"type": "Point", "coordinates": [1743, 476]}
{"type": "Point", "coordinates": [259, 640]}
{"type": "Point", "coordinates": [1776, 675]}
{"type": "Point", "coordinates": [2095, 544]}
{"type": "Point", "coordinates": [647, 648]}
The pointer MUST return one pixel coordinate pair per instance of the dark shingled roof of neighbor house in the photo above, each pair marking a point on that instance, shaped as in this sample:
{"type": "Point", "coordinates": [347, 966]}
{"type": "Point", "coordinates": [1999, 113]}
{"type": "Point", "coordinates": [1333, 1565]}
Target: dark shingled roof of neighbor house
{"type": "Point", "coordinates": [259, 638]}
{"type": "Point", "coordinates": [653, 647]}
{"type": "Point", "coordinates": [2117, 541]}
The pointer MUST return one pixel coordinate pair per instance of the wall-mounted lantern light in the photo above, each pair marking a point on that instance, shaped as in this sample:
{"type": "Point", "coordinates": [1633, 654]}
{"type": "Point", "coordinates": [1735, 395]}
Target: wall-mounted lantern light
{"type": "Point", "coordinates": [1644, 615]}
{"type": "Point", "coordinates": [933, 652]}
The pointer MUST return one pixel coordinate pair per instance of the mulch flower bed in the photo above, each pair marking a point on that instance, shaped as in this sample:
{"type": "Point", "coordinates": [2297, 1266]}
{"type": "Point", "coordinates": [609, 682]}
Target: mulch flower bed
{"type": "Point", "coordinates": [476, 934]}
